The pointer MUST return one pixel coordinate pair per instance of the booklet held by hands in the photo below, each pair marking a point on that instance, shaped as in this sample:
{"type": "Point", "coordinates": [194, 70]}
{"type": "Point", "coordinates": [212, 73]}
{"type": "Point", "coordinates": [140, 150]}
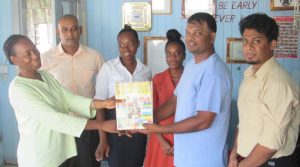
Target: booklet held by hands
{"type": "Point", "coordinates": [137, 107]}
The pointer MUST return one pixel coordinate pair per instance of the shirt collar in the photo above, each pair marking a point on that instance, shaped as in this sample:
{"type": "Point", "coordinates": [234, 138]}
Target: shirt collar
{"type": "Point", "coordinates": [206, 60]}
{"type": "Point", "coordinates": [79, 51]}
{"type": "Point", "coordinates": [263, 70]}
{"type": "Point", "coordinates": [138, 64]}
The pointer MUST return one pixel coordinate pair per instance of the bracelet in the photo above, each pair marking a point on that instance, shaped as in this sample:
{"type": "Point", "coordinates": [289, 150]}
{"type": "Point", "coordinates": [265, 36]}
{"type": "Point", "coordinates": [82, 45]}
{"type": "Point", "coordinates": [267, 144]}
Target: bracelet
{"type": "Point", "coordinates": [93, 104]}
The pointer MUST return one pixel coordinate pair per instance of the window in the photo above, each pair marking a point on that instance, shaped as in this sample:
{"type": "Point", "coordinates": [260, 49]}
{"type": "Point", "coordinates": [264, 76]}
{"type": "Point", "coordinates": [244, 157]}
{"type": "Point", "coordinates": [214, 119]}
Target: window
{"type": "Point", "coordinates": [39, 19]}
{"type": "Point", "coordinates": [39, 22]}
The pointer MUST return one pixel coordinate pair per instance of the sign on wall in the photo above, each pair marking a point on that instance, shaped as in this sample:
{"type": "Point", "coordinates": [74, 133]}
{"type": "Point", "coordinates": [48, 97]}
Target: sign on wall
{"type": "Point", "coordinates": [288, 38]}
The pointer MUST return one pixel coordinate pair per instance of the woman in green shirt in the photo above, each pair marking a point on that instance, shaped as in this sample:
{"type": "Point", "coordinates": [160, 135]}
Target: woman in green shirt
{"type": "Point", "coordinates": [48, 115]}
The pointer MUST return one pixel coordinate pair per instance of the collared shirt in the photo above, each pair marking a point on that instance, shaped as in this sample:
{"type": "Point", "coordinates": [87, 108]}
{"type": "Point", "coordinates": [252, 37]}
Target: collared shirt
{"type": "Point", "coordinates": [113, 72]}
{"type": "Point", "coordinates": [46, 129]}
{"type": "Point", "coordinates": [204, 86]}
{"type": "Point", "coordinates": [269, 110]}
{"type": "Point", "coordinates": [77, 73]}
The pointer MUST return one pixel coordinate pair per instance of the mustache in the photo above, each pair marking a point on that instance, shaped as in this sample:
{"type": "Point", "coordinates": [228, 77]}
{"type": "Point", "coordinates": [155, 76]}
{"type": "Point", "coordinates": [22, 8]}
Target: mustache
{"type": "Point", "coordinates": [252, 62]}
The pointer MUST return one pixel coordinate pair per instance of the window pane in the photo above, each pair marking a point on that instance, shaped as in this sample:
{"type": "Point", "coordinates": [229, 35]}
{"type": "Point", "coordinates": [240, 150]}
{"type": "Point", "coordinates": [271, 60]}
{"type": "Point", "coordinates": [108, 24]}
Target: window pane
{"type": "Point", "coordinates": [39, 23]}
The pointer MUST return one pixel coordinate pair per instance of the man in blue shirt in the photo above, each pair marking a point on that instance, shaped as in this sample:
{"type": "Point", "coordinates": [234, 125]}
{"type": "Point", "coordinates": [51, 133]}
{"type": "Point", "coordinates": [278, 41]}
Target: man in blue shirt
{"type": "Point", "coordinates": [201, 101]}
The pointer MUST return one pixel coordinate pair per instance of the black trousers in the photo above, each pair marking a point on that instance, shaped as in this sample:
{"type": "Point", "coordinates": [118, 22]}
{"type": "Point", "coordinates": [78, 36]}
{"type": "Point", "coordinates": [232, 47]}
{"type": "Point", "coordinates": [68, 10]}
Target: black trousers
{"type": "Point", "coordinates": [287, 161]}
{"type": "Point", "coordinates": [69, 162]}
{"type": "Point", "coordinates": [125, 151]}
{"type": "Point", "coordinates": [292, 160]}
{"type": "Point", "coordinates": [86, 146]}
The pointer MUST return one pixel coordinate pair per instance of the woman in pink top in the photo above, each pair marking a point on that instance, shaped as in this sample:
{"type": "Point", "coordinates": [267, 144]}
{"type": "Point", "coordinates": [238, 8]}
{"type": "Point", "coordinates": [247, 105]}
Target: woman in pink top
{"type": "Point", "coordinates": [160, 147]}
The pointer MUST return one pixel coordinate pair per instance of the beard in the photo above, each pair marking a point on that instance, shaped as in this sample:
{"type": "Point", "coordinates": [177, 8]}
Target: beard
{"type": "Point", "coordinates": [252, 62]}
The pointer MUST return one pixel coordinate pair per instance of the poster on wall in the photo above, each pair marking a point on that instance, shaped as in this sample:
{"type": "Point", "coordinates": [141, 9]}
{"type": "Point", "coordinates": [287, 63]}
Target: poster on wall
{"type": "Point", "coordinates": [288, 38]}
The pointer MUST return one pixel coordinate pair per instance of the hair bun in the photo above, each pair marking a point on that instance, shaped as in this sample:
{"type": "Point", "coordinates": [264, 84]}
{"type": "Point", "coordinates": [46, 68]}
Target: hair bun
{"type": "Point", "coordinates": [173, 35]}
{"type": "Point", "coordinates": [127, 26]}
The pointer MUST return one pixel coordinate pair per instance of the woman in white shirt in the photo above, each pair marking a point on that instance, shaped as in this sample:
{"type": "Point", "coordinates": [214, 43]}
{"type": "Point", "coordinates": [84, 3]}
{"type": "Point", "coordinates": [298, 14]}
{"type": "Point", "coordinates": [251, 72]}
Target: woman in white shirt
{"type": "Point", "coordinates": [121, 151]}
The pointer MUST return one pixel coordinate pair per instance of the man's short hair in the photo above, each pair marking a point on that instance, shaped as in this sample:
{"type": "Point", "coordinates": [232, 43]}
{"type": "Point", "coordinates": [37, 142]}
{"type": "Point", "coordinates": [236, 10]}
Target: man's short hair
{"type": "Point", "coordinates": [68, 16]}
{"type": "Point", "coordinates": [202, 17]}
{"type": "Point", "coordinates": [262, 23]}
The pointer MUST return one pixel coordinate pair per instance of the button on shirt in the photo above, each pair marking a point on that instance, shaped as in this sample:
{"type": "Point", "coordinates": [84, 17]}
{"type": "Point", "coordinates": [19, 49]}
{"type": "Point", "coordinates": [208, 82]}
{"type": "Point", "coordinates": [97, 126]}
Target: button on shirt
{"type": "Point", "coordinates": [113, 72]}
{"type": "Point", "coordinates": [269, 111]}
{"type": "Point", "coordinates": [77, 73]}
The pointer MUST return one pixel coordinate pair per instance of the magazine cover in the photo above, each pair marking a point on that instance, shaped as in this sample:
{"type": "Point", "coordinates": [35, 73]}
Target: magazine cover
{"type": "Point", "coordinates": [137, 107]}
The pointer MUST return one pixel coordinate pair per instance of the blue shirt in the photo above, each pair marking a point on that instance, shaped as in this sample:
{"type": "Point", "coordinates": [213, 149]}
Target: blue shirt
{"type": "Point", "coordinates": [205, 86]}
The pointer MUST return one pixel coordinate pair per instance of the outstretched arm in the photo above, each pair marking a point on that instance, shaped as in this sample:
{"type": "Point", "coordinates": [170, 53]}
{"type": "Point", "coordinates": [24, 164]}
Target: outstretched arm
{"type": "Point", "coordinates": [108, 126]}
{"type": "Point", "coordinates": [100, 104]}
{"type": "Point", "coordinates": [199, 122]}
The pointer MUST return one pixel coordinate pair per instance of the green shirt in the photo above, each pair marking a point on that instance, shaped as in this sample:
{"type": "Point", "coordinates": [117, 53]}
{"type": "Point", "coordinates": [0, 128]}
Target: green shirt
{"type": "Point", "coordinates": [46, 126]}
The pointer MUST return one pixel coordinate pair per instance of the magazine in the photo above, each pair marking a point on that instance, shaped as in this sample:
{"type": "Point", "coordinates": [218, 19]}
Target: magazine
{"type": "Point", "coordinates": [137, 107]}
